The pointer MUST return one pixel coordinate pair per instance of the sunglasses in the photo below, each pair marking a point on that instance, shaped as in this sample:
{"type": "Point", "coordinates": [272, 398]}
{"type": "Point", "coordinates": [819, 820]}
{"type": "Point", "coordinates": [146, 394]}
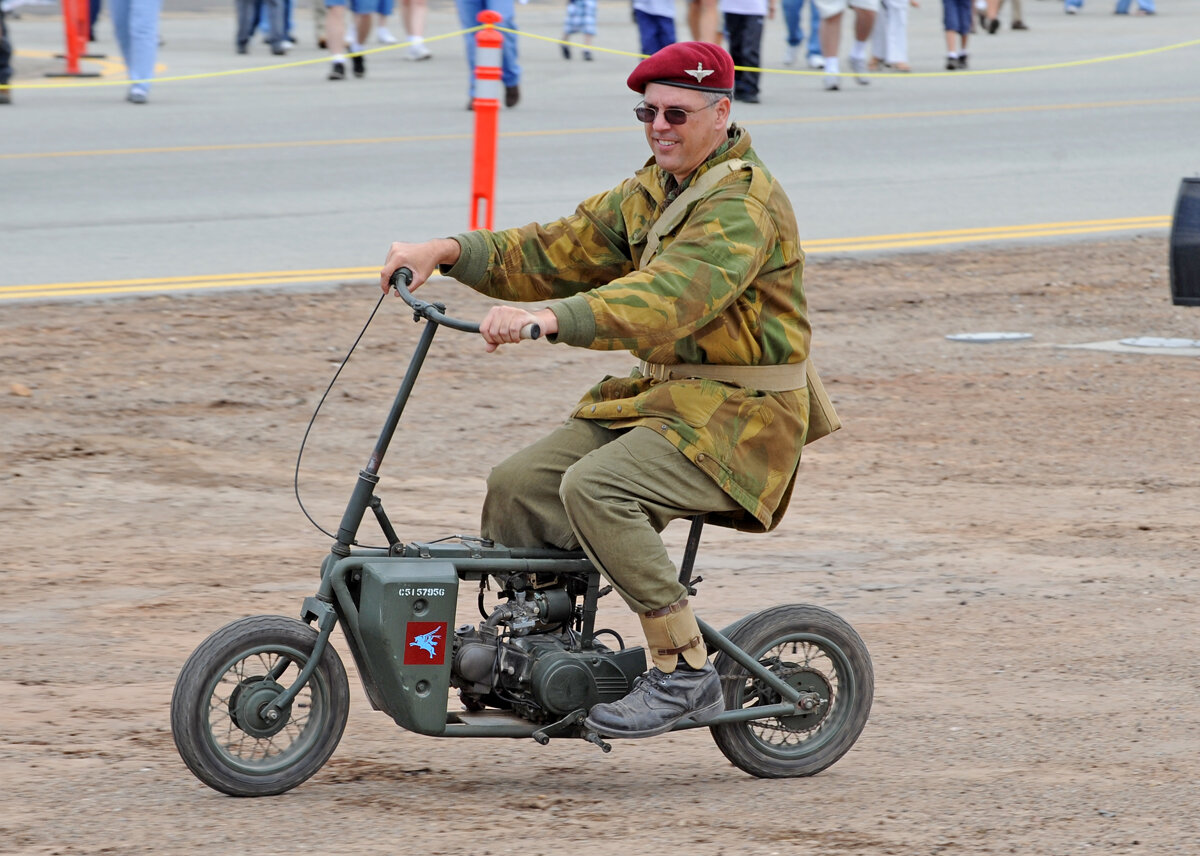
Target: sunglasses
{"type": "Point", "coordinates": [673, 115]}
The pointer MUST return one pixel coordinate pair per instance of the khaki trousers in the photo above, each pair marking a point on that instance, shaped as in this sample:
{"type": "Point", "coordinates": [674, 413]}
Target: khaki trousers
{"type": "Point", "coordinates": [608, 492]}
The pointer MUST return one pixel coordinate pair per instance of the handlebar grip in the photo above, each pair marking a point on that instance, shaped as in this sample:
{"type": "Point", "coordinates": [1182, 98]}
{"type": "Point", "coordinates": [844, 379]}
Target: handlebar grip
{"type": "Point", "coordinates": [531, 331]}
{"type": "Point", "coordinates": [400, 274]}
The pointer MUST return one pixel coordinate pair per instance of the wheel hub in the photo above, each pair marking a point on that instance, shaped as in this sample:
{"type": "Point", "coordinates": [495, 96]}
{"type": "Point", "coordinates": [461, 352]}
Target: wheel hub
{"type": "Point", "coordinates": [248, 707]}
{"type": "Point", "coordinates": [816, 693]}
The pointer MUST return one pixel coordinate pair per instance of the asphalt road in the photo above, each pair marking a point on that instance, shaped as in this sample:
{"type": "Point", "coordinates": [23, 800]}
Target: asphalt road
{"type": "Point", "coordinates": [277, 175]}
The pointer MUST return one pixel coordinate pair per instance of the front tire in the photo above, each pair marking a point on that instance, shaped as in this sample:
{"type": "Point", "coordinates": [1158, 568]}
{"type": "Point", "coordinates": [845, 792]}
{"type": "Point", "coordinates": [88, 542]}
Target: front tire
{"type": "Point", "coordinates": [219, 708]}
{"type": "Point", "coordinates": [816, 652]}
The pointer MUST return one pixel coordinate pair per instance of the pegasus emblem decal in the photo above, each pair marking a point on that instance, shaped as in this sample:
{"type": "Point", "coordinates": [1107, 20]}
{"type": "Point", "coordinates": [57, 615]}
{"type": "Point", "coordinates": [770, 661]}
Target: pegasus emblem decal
{"type": "Point", "coordinates": [427, 642]}
{"type": "Point", "coordinates": [699, 72]}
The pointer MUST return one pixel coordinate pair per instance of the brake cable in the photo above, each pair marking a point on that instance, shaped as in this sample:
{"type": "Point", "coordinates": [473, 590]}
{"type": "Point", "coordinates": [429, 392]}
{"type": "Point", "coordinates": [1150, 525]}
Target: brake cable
{"type": "Point", "coordinates": [324, 395]}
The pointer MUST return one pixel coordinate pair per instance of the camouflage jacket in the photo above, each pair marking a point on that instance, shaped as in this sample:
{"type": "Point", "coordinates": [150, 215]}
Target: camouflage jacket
{"type": "Point", "coordinates": [725, 287]}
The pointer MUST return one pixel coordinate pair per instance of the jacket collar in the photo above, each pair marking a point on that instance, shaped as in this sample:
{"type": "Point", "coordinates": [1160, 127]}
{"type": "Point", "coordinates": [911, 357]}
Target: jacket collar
{"type": "Point", "coordinates": [661, 185]}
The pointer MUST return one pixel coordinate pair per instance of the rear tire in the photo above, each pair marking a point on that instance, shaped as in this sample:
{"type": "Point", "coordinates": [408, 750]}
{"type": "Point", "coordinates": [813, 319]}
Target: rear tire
{"type": "Point", "coordinates": [218, 710]}
{"type": "Point", "coordinates": [812, 650]}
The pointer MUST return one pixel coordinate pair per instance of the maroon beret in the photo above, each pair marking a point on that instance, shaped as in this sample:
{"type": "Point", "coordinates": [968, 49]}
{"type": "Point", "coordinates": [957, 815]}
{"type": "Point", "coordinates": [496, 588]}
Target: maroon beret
{"type": "Point", "coordinates": [691, 65]}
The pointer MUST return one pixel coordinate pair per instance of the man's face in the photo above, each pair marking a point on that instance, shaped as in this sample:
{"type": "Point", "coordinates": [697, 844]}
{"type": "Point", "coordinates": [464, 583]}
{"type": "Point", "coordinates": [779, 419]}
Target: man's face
{"type": "Point", "coordinates": [680, 149]}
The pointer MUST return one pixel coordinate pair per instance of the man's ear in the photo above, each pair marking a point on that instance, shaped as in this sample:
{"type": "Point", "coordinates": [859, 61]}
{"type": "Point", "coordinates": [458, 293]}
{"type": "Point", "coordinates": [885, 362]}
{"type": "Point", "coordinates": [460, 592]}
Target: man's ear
{"type": "Point", "coordinates": [722, 111]}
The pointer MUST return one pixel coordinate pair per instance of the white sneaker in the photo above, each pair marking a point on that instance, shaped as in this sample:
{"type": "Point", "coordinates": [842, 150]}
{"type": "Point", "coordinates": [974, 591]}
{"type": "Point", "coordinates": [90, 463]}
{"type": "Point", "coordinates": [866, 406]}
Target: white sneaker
{"type": "Point", "coordinates": [417, 52]}
{"type": "Point", "coordinates": [816, 61]}
{"type": "Point", "coordinates": [385, 37]}
{"type": "Point", "coordinates": [831, 82]}
{"type": "Point", "coordinates": [1071, 10]}
{"type": "Point", "coordinates": [859, 67]}
{"type": "Point", "coordinates": [789, 57]}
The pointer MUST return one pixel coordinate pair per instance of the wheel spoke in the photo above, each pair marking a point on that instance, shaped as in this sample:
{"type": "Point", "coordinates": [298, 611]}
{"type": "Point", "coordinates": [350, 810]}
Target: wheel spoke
{"type": "Point", "coordinates": [231, 738]}
{"type": "Point", "coordinates": [791, 661]}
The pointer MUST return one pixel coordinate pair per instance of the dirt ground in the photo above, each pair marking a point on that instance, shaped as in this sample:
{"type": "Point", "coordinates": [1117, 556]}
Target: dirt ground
{"type": "Point", "coordinates": [1011, 527]}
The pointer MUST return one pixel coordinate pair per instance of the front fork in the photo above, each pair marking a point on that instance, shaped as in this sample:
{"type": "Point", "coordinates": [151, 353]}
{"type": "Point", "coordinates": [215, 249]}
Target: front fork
{"type": "Point", "coordinates": [320, 608]}
{"type": "Point", "coordinates": [326, 618]}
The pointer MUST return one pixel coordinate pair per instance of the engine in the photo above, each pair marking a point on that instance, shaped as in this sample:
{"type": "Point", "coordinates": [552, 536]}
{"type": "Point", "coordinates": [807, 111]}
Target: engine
{"type": "Point", "coordinates": [526, 657]}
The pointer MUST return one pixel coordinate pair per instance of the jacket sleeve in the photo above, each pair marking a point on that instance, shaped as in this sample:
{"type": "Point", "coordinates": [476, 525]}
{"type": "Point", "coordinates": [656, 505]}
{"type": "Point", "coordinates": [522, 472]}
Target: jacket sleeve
{"type": "Point", "coordinates": [696, 276]}
{"type": "Point", "coordinates": [549, 261]}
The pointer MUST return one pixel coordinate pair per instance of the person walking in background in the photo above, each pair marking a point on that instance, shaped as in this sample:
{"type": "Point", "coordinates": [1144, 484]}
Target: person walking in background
{"type": "Point", "coordinates": [135, 24]}
{"type": "Point", "coordinates": [264, 24]}
{"type": "Point", "coordinates": [890, 39]}
{"type": "Point", "coordinates": [339, 39]}
{"type": "Point", "coordinates": [581, 18]}
{"type": "Point", "coordinates": [656, 24]}
{"type": "Point", "coordinates": [6, 71]}
{"type": "Point", "coordinates": [248, 14]}
{"type": "Point", "coordinates": [413, 14]}
{"type": "Point", "coordinates": [795, 33]}
{"type": "Point", "coordinates": [1145, 7]}
{"type": "Point", "coordinates": [703, 21]}
{"type": "Point", "coordinates": [383, 11]}
{"type": "Point", "coordinates": [991, 16]}
{"type": "Point", "coordinates": [510, 66]}
{"type": "Point", "coordinates": [744, 27]}
{"type": "Point", "coordinates": [318, 13]}
{"type": "Point", "coordinates": [831, 36]}
{"type": "Point", "coordinates": [956, 20]}
{"type": "Point", "coordinates": [93, 14]}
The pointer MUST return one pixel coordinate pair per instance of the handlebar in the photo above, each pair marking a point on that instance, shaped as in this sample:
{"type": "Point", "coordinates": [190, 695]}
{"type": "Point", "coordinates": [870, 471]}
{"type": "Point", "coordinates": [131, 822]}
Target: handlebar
{"type": "Point", "coordinates": [436, 312]}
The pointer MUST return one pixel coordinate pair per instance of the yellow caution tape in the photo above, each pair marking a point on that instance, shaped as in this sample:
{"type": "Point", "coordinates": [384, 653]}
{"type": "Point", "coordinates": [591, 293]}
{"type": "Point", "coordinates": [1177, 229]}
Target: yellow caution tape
{"type": "Point", "coordinates": [818, 72]}
{"type": "Point", "coordinates": [230, 72]}
{"type": "Point", "coordinates": [1051, 66]}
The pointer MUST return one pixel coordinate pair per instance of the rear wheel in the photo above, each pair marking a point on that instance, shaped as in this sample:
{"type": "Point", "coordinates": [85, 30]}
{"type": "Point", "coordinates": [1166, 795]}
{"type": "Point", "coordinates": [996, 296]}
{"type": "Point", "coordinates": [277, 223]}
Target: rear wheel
{"type": "Point", "coordinates": [223, 726]}
{"type": "Point", "coordinates": [815, 652]}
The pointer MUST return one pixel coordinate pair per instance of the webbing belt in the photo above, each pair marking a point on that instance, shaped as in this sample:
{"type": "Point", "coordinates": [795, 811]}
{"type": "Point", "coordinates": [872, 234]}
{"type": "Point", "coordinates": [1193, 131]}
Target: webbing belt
{"type": "Point", "coordinates": [777, 378]}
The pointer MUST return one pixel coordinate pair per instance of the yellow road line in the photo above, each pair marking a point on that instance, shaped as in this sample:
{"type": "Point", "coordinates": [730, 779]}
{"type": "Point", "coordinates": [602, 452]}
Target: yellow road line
{"type": "Point", "coordinates": [611, 129]}
{"type": "Point", "coordinates": [996, 232]}
{"type": "Point", "coordinates": [66, 289]}
{"type": "Point", "coordinates": [820, 246]}
{"type": "Point", "coordinates": [213, 281]}
{"type": "Point", "coordinates": [232, 147]}
{"type": "Point", "coordinates": [108, 67]}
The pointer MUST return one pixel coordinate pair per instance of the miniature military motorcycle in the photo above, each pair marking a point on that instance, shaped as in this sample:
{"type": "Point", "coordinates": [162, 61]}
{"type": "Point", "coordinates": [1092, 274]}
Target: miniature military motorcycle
{"type": "Point", "coordinates": [260, 706]}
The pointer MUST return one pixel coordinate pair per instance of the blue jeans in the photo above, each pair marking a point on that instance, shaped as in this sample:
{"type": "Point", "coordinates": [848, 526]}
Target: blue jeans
{"type": "Point", "coordinates": [264, 19]}
{"type": "Point", "coordinates": [251, 12]}
{"type": "Point", "coordinates": [468, 14]}
{"type": "Point", "coordinates": [655, 31]}
{"type": "Point", "coordinates": [135, 23]}
{"type": "Point", "coordinates": [795, 34]}
{"type": "Point", "coordinates": [5, 52]}
{"type": "Point", "coordinates": [1144, 5]}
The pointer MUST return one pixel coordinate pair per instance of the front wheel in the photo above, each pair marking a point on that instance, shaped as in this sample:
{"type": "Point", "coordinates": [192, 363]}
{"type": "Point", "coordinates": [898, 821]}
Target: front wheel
{"type": "Point", "coordinates": [220, 719]}
{"type": "Point", "coordinates": [815, 652]}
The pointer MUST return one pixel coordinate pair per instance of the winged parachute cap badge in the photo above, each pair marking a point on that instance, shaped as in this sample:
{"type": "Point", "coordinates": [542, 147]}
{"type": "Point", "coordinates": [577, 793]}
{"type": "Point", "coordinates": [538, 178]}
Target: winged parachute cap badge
{"type": "Point", "coordinates": [699, 72]}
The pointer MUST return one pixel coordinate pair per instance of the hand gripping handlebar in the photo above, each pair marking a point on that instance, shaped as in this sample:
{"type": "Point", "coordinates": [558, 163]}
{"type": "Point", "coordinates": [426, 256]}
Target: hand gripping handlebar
{"type": "Point", "coordinates": [436, 312]}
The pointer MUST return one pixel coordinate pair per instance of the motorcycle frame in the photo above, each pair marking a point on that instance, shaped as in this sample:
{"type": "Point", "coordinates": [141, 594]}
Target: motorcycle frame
{"type": "Point", "coordinates": [334, 602]}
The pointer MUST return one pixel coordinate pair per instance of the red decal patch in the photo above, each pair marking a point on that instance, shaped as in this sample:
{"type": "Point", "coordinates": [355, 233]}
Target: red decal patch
{"type": "Point", "coordinates": [425, 643]}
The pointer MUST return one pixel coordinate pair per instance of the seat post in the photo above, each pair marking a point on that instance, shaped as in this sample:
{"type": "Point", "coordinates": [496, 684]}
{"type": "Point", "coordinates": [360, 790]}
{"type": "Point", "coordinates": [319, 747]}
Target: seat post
{"type": "Point", "coordinates": [689, 554]}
